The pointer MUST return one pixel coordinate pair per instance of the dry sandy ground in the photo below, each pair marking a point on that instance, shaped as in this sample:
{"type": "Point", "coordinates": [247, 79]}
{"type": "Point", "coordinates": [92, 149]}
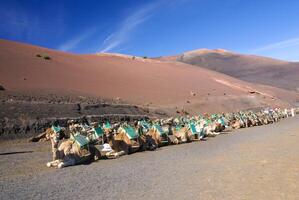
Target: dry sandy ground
{"type": "Point", "coordinates": [254, 163]}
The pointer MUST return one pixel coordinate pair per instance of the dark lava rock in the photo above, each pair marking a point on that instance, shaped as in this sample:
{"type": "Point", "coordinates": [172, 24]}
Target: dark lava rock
{"type": "Point", "coordinates": [2, 88]}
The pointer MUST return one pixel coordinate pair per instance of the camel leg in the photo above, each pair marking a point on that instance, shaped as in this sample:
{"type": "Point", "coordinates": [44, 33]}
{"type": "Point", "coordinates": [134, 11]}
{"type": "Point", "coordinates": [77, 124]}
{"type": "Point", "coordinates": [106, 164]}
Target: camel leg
{"type": "Point", "coordinates": [209, 132]}
{"type": "Point", "coordinates": [55, 152]}
{"type": "Point", "coordinates": [53, 163]}
{"type": "Point", "coordinates": [175, 141]}
{"type": "Point", "coordinates": [67, 161]}
{"type": "Point", "coordinates": [178, 139]}
{"type": "Point", "coordinates": [95, 152]}
{"type": "Point", "coordinates": [121, 153]}
{"type": "Point", "coordinates": [113, 154]}
{"type": "Point", "coordinates": [184, 139]}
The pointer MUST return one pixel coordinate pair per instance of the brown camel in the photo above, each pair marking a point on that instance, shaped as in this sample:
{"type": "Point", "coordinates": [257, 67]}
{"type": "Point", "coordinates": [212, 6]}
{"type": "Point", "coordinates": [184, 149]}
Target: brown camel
{"type": "Point", "coordinates": [125, 142]}
{"type": "Point", "coordinates": [154, 133]}
{"type": "Point", "coordinates": [235, 124]}
{"type": "Point", "coordinates": [70, 153]}
{"type": "Point", "coordinates": [182, 135]}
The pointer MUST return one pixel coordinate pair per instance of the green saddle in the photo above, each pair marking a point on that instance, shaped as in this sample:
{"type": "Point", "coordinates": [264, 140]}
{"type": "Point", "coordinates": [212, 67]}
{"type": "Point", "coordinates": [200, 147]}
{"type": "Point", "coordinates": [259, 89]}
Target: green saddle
{"type": "Point", "coordinates": [221, 121]}
{"type": "Point", "coordinates": [56, 129]}
{"type": "Point", "coordinates": [208, 121]}
{"type": "Point", "coordinates": [98, 132]}
{"type": "Point", "coordinates": [192, 129]}
{"type": "Point", "coordinates": [178, 127]}
{"type": "Point", "coordinates": [130, 131]}
{"type": "Point", "coordinates": [159, 129]}
{"type": "Point", "coordinates": [80, 140]}
{"type": "Point", "coordinates": [107, 125]}
{"type": "Point", "coordinates": [214, 116]}
{"type": "Point", "coordinates": [145, 125]}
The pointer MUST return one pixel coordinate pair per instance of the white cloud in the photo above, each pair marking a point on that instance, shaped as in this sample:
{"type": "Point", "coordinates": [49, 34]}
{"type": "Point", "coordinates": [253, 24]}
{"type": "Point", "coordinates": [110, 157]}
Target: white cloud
{"type": "Point", "coordinates": [74, 42]}
{"type": "Point", "coordinates": [119, 37]}
{"type": "Point", "coordinates": [129, 24]}
{"type": "Point", "coordinates": [278, 45]}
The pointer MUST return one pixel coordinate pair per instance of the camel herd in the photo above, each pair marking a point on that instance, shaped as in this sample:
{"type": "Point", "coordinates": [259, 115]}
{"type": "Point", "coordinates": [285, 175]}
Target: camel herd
{"type": "Point", "coordinates": [86, 142]}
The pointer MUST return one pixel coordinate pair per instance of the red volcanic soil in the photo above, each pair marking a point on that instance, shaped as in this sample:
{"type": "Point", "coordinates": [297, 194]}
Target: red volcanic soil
{"type": "Point", "coordinates": [135, 80]}
{"type": "Point", "coordinates": [250, 68]}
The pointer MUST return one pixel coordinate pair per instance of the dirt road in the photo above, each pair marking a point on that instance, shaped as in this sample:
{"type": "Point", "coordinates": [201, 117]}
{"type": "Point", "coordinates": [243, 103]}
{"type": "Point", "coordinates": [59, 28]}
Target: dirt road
{"type": "Point", "coordinates": [254, 163]}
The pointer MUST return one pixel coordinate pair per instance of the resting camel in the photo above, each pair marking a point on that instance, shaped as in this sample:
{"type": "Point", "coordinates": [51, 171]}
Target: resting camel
{"type": "Point", "coordinates": [118, 147]}
{"type": "Point", "coordinates": [155, 132]}
{"type": "Point", "coordinates": [264, 120]}
{"type": "Point", "coordinates": [182, 134]}
{"type": "Point", "coordinates": [253, 120]}
{"type": "Point", "coordinates": [70, 153]}
{"type": "Point", "coordinates": [236, 124]}
{"type": "Point", "coordinates": [209, 128]}
{"type": "Point", "coordinates": [160, 138]}
{"type": "Point", "coordinates": [121, 141]}
{"type": "Point", "coordinates": [196, 131]}
{"type": "Point", "coordinates": [217, 126]}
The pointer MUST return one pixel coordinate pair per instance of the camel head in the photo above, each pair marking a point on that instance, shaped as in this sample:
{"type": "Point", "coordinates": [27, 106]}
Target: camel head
{"type": "Point", "coordinates": [109, 134]}
{"type": "Point", "coordinates": [48, 133]}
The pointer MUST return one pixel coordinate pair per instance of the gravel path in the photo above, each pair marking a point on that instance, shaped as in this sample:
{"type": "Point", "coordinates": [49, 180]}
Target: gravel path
{"type": "Point", "coordinates": [254, 163]}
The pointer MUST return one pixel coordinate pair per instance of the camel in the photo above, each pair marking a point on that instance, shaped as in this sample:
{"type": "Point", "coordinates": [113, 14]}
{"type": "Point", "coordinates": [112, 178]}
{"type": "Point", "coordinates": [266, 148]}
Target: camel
{"type": "Point", "coordinates": [156, 132]}
{"type": "Point", "coordinates": [254, 121]}
{"type": "Point", "coordinates": [107, 127]}
{"type": "Point", "coordinates": [176, 134]}
{"type": "Point", "coordinates": [128, 141]}
{"type": "Point", "coordinates": [70, 153]}
{"type": "Point", "coordinates": [247, 122]}
{"type": "Point", "coordinates": [218, 124]}
{"type": "Point", "coordinates": [128, 135]}
{"type": "Point", "coordinates": [121, 144]}
{"type": "Point", "coordinates": [275, 116]}
{"type": "Point", "coordinates": [208, 127]}
{"type": "Point", "coordinates": [238, 121]}
{"type": "Point", "coordinates": [250, 121]}
{"type": "Point", "coordinates": [159, 135]}
{"type": "Point", "coordinates": [236, 124]}
{"type": "Point", "coordinates": [200, 126]}
{"type": "Point", "coordinates": [116, 148]}
{"type": "Point", "coordinates": [197, 132]}
{"type": "Point", "coordinates": [123, 139]}
{"type": "Point", "coordinates": [181, 134]}
{"type": "Point", "coordinates": [264, 120]}
{"type": "Point", "coordinates": [95, 134]}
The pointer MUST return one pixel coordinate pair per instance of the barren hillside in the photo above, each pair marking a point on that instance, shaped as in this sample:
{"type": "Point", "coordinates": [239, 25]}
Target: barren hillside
{"type": "Point", "coordinates": [250, 68]}
{"type": "Point", "coordinates": [144, 82]}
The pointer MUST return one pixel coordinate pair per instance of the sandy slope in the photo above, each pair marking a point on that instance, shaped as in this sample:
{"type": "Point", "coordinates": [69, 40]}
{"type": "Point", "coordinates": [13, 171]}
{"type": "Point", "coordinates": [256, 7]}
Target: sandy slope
{"type": "Point", "coordinates": [251, 68]}
{"type": "Point", "coordinates": [136, 80]}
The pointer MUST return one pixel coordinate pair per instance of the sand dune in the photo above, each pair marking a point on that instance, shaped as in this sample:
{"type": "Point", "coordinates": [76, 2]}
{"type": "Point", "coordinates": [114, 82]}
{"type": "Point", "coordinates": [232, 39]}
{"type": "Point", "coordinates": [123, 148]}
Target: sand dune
{"type": "Point", "coordinates": [250, 68]}
{"type": "Point", "coordinates": [135, 80]}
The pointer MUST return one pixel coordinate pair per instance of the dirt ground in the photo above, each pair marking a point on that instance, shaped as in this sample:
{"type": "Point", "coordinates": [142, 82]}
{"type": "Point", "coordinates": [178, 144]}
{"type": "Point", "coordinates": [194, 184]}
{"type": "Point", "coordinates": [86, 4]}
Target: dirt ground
{"type": "Point", "coordinates": [254, 163]}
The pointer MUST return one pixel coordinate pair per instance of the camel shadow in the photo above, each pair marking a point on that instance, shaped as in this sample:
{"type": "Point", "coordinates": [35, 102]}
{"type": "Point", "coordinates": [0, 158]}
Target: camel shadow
{"type": "Point", "coordinates": [15, 152]}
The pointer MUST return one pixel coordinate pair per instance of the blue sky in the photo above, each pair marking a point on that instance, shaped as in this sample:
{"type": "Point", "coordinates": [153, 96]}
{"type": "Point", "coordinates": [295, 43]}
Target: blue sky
{"type": "Point", "coordinates": [155, 27]}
